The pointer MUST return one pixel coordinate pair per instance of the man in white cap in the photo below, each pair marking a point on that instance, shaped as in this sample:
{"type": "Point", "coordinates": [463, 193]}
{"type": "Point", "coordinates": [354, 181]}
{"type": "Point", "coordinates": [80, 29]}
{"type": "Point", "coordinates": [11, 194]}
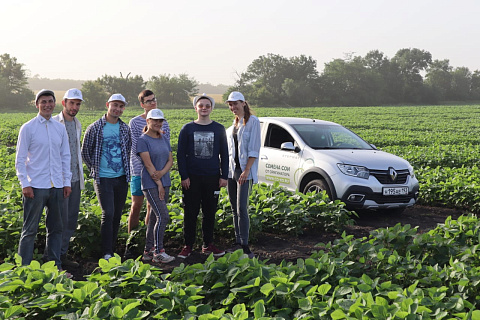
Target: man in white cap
{"type": "Point", "coordinates": [71, 102]}
{"type": "Point", "coordinates": [43, 168]}
{"type": "Point", "coordinates": [106, 152]}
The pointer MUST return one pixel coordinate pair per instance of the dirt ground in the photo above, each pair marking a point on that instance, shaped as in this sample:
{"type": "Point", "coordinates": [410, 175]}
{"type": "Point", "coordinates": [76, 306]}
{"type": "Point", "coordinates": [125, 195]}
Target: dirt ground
{"type": "Point", "coordinates": [275, 248]}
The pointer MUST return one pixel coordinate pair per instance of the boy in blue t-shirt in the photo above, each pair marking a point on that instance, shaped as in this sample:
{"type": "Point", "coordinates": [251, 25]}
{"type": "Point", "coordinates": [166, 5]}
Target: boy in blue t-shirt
{"type": "Point", "coordinates": [106, 152]}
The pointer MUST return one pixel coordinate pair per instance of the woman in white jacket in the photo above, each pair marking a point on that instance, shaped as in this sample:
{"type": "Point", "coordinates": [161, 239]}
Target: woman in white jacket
{"type": "Point", "coordinates": [243, 147]}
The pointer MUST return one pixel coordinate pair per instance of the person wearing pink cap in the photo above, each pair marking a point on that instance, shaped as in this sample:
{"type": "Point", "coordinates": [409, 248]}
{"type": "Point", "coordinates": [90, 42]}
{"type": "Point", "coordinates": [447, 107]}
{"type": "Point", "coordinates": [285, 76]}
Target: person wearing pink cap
{"type": "Point", "coordinates": [243, 149]}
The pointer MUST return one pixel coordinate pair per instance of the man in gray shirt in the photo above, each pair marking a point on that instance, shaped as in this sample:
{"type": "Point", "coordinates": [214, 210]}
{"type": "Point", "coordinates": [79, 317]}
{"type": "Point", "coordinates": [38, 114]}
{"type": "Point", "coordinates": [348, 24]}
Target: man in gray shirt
{"type": "Point", "coordinates": [71, 102]}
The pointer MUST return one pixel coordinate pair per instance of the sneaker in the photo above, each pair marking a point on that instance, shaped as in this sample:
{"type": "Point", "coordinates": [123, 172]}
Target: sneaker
{"type": "Point", "coordinates": [212, 249]}
{"type": "Point", "coordinates": [107, 256]}
{"type": "Point", "coordinates": [162, 257]}
{"type": "Point", "coordinates": [186, 251]}
{"type": "Point", "coordinates": [148, 255]}
{"type": "Point", "coordinates": [67, 262]}
{"type": "Point", "coordinates": [246, 250]}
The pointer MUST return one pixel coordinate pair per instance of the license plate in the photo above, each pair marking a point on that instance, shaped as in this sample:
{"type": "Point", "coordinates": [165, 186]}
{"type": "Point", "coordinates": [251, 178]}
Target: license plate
{"type": "Point", "coordinates": [395, 191]}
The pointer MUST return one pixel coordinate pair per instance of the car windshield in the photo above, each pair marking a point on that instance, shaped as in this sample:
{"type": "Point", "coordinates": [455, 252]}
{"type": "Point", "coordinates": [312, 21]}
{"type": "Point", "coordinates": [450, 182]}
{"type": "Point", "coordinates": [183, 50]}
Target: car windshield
{"type": "Point", "coordinates": [320, 136]}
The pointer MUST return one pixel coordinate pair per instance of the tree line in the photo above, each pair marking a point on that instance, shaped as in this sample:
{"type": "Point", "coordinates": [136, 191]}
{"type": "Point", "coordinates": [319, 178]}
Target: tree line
{"type": "Point", "coordinates": [411, 76]}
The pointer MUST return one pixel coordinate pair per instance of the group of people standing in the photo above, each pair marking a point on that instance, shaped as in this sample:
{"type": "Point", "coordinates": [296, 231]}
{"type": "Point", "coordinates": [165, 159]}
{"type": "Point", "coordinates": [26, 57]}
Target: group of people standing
{"type": "Point", "coordinates": [49, 167]}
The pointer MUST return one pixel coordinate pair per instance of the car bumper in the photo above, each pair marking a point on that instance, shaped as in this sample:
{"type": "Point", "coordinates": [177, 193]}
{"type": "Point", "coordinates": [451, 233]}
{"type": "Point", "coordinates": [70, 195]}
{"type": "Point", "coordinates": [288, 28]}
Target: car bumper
{"type": "Point", "coordinates": [360, 197]}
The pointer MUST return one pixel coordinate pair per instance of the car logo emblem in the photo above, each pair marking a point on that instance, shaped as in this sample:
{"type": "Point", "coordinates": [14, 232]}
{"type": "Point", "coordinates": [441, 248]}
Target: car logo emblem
{"type": "Point", "coordinates": [393, 174]}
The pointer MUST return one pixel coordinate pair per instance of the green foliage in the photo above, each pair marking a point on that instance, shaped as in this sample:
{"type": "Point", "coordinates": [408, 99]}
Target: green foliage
{"type": "Point", "coordinates": [94, 95]}
{"type": "Point", "coordinates": [173, 90]}
{"type": "Point", "coordinates": [394, 273]}
{"type": "Point", "coordinates": [128, 86]}
{"type": "Point", "coordinates": [14, 91]}
{"type": "Point", "coordinates": [273, 80]}
{"type": "Point", "coordinates": [454, 187]}
{"type": "Point", "coordinates": [276, 210]}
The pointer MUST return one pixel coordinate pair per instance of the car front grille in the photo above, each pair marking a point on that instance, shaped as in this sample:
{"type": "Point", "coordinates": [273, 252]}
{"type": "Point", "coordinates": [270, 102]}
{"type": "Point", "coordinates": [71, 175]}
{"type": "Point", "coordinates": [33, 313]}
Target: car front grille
{"type": "Point", "coordinates": [383, 176]}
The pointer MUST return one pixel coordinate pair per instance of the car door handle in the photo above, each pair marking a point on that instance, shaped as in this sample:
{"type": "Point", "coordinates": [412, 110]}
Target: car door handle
{"type": "Point", "coordinates": [263, 157]}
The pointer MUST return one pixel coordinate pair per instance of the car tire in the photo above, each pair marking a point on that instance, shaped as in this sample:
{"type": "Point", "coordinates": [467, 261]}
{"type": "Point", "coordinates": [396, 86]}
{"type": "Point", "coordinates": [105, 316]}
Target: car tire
{"type": "Point", "coordinates": [317, 185]}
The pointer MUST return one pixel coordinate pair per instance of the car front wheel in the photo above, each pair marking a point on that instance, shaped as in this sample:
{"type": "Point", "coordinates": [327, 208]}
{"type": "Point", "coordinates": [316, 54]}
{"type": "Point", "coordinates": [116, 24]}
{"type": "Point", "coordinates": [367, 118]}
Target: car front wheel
{"type": "Point", "coordinates": [317, 185]}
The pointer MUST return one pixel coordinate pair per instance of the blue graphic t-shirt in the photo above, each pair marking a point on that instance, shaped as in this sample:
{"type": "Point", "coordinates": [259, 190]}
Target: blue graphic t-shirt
{"type": "Point", "coordinates": [111, 165]}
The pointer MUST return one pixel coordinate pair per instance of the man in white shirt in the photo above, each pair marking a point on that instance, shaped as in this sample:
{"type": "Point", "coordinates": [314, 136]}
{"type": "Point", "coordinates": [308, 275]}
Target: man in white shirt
{"type": "Point", "coordinates": [43, 168]}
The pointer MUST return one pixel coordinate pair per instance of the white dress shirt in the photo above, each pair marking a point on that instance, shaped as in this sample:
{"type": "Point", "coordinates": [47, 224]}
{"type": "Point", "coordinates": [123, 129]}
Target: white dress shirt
{"type": "Point", "coordinates": [43, 154]}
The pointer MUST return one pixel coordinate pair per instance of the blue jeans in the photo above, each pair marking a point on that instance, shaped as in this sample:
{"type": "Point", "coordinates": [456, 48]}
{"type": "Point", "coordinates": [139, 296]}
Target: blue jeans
{"type": "Point", "coordinates": [158, 220]}
{"type": "Point", "coordinates": [32, 212]}
{"type": "Point", "coordinates": [239, 196]}
{"type": "Point", "coordinates": [111, 194]}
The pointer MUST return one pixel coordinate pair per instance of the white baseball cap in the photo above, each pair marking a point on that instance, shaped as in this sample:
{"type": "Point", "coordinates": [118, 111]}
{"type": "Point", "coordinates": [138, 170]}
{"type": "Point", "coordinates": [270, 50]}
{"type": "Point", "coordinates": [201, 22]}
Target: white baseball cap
{"type": "Point", "coordinates": [44, 92]}
{"type": "Point", "coordinates": [203, 96]}
{"type": "Point", "coordinates": [73, 93]}
{"type": "Point", "coordinates": [235, 96]}
{"type": "Point", "coordinates": [155, 114]}
{"type": "Point", "coordinates": [117, 97]}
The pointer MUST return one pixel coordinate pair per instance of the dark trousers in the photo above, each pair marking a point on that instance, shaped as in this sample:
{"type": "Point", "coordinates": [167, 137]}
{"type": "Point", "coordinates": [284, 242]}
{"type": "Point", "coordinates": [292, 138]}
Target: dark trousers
{"type": "Point", "coordinates": [203, 192]}
{"type": "Point", "coordinates": [111, 194]}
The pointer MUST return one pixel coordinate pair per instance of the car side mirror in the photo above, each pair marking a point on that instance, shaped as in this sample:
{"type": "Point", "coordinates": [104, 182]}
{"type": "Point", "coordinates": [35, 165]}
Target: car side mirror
{"type": "Point", "coordinates": [287, 146]}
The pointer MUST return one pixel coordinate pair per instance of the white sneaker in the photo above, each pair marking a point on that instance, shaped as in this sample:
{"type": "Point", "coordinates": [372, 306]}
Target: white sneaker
{"type": "Point", "coordinates": [162, 257]}
{"type": "Point", "coordinates": [148, 256]}
{"type": "Point", "coordinates": [107, 256]}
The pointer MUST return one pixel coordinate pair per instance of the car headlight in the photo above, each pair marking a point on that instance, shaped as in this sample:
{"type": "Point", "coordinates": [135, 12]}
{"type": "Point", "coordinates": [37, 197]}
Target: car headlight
{"type": "Point", "coordinates": [412, 173]}
{"type": "Point", "coordinates": [355, 171]}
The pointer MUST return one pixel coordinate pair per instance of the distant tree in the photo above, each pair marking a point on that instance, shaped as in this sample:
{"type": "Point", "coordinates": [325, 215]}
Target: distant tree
{"type": "Point", "coordinates": [439, 78]}
{"type": "Point", "coordinates": [349, 82]}
{"type": "Point", "coordinates": [94, 95]}
{"type": "Point", "coordinates": [461, 84]}
{"type": "Point", "coordinates": [265, 81]}
{"type": "Point", "coordinates": [128, 86]}
{"type": "Point", "coordinates": [14, 91]}
{"type": "Point", "coordinates": [411, 62]}
{"type": "Point", "coordinates": [475, 86]}
{"type": "Point", "coordinates": [173, 90]}
{"type": "Point", "coordinates": [389, 76]}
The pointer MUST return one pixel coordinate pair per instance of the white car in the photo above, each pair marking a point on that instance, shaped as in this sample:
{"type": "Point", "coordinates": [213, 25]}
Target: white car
{"type": "Point", "coordinates": [310, 154]}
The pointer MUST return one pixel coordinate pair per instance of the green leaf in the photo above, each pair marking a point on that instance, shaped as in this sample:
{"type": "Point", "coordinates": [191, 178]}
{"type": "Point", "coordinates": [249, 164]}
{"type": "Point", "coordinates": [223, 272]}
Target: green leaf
{"type": "Point", "coordinates": [267, 288]}
{"type": "Point", "coordinates": [259, 309]}
{"type": "Point", "coordinates": [338, 314]}
{"type": "Point", "coordinates": [117, 312]}
{"type": "Point", "coordinates": [324, 288]}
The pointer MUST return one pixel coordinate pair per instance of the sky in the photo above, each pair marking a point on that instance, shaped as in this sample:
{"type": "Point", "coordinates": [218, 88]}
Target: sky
{"type": "Point", "coordinates": [213, 41]}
